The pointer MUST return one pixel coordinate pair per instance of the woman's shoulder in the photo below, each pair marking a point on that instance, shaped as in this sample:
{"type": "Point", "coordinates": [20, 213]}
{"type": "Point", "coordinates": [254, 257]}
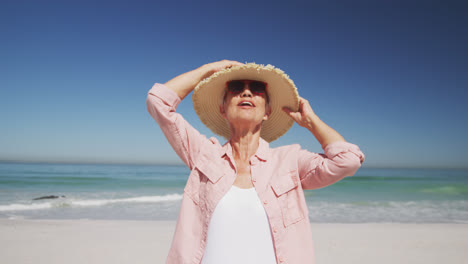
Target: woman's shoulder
{"type": "Point", "coordinates": [285, 151]}
{"type": "Point", "coordinates": [211, 146]}
{"type": "Point", "coordinates": [286, 148]}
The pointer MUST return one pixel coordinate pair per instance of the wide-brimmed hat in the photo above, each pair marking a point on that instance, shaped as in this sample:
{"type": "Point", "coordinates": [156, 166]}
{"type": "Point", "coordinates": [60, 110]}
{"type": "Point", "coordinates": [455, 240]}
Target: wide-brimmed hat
{"type": "Point", "coordinates": [281, 92]}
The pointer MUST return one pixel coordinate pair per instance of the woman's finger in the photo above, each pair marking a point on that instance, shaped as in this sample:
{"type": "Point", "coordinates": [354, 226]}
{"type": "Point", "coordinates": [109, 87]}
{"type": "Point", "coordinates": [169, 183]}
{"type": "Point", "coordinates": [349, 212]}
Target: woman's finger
{"type": "Point", "coordinates": [305, 107]}
{"type": "Point", "coordinates": [296, 116]}
{"type": "Point", "coordinates": [221, 65]}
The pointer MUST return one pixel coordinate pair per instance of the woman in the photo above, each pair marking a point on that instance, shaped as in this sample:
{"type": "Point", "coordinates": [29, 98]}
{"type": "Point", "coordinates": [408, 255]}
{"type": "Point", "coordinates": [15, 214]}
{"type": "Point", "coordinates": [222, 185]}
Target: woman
{"type": "Point", "coordinates": [244, 201]}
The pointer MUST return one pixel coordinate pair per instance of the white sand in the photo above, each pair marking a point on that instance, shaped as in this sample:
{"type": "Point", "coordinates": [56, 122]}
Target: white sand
{"type": "Point", "coordinates": [93, 241]}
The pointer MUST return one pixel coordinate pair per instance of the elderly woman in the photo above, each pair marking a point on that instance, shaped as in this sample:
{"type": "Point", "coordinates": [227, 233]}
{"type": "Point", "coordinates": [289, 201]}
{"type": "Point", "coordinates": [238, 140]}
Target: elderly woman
{"type": "Point", "coordinates": [244, 201]}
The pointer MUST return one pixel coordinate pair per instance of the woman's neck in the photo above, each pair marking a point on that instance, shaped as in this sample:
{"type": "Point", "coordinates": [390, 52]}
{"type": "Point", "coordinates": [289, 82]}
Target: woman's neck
{"type": "Point", "coordinates": [244, 144]}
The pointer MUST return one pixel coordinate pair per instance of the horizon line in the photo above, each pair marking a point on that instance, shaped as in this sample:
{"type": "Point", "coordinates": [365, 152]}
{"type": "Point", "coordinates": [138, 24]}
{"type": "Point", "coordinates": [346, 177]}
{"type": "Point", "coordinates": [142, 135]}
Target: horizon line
{"type": "Point", "coordinates": [180, 164]}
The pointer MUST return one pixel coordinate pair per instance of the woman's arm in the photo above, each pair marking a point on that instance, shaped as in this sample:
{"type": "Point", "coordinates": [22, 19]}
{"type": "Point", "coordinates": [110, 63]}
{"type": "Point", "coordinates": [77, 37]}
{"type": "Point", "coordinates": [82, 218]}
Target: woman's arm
{"type": "Point", "coordinates": [162, 102]}
{"type": "Point", "coordinates": [307, 118]}
{"type": "Point", "coordinates": [185, 83]}
{"type": "Point", "coordinates": [341, 158]}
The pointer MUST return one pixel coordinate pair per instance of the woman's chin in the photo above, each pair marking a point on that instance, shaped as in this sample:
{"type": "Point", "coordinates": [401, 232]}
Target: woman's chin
{"type": "Point", "coordinates": [245, 122]}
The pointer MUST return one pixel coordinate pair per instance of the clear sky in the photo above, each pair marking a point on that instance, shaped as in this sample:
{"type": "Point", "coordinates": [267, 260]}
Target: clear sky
{"type": "Point", "coordinates": [390, 76]}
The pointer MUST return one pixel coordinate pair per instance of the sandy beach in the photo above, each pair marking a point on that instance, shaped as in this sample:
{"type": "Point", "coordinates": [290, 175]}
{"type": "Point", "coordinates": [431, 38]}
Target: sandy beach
{"type": "Point", "coordinates": [104, 241]}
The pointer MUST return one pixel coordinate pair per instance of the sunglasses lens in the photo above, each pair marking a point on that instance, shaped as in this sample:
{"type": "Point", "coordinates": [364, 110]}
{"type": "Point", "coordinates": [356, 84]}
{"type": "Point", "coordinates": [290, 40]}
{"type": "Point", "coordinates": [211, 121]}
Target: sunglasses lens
{"type": "Point", "coordinates": [257, 87]}
{"type": "Point", "coordinates": [236, 87]}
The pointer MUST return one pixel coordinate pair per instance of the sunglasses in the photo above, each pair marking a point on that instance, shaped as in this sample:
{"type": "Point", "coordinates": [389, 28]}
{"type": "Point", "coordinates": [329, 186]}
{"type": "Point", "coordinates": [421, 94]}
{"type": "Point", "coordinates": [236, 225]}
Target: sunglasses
{"type": "Point", "coordinates": [255, 87]}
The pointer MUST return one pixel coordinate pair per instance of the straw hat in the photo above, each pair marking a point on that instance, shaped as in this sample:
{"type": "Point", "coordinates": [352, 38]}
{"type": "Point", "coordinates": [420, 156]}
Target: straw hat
{"type": "Point", "coordinates": [282, 92]}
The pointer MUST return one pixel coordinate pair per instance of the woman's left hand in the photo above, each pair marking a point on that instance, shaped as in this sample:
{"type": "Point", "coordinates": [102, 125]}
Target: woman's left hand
{"type": "Point", "coordinates": [304, 116]}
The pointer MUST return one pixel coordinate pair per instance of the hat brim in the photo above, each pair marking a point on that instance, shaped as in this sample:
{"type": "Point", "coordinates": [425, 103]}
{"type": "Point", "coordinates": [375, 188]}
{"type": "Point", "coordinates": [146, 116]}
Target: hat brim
{"type": "Point", "coordinates": [281, 91]}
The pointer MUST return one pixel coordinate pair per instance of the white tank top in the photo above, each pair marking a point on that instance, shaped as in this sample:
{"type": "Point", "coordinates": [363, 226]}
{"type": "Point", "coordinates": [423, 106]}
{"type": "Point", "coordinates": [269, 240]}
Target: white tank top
{"type": "Point", "coordinates": [239, 231]}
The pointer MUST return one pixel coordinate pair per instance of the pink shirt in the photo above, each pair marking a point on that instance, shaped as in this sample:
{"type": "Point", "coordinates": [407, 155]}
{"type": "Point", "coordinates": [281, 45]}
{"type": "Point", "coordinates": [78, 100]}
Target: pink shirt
{"type": "Point", "coordinates": [279, 176]}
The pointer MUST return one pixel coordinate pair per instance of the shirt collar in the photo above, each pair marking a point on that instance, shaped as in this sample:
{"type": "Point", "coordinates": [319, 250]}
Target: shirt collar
{"type": "Point", "coordinates": [263, 150]}
{"type": "Point", "coordinates": [261, 154]}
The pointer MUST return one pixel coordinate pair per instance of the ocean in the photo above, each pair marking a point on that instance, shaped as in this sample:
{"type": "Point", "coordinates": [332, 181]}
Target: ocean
{"type": "Point", "coordinates": [154, 192]}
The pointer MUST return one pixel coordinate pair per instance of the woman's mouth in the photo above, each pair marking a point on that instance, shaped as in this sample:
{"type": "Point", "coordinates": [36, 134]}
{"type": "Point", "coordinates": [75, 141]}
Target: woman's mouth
{"type": "Point", "coordinates": [246, 104]}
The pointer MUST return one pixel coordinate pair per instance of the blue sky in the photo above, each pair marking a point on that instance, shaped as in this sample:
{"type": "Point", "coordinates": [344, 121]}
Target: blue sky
{"type": "Point", "coordinates": [390, 76]}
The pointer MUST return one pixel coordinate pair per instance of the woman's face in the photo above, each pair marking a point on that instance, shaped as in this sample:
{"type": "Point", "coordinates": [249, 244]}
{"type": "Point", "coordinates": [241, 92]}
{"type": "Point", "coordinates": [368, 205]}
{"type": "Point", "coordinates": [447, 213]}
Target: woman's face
{"type": "Point", "coordinates": [245, 107]}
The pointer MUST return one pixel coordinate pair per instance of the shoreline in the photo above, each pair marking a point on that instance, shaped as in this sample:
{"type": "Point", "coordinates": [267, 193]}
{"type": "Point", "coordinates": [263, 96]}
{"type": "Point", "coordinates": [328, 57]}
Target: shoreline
{"type": "Point", "coordinates": [143, 241]}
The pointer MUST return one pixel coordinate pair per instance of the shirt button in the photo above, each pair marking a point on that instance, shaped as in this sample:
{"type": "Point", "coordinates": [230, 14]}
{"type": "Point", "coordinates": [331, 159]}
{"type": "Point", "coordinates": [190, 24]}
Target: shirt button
{"type": "Point", "coordinates": [254, 180]}
{"type": "Point", "coordinates": [265, 202]}
{"type": "Point", "coordinates": [275, 230]}
{"type": "Point", "coordinates": [281, 259]}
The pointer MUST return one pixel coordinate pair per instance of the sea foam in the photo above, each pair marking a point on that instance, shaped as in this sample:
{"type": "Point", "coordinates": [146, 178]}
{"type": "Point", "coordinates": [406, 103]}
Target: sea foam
{"type": "Point", "coordinates": [70, 202]}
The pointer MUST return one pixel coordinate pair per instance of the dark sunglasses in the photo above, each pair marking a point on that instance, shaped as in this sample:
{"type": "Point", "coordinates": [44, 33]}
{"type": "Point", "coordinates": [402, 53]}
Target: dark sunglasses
{"type": "Point", "coordinates": [255, 87]}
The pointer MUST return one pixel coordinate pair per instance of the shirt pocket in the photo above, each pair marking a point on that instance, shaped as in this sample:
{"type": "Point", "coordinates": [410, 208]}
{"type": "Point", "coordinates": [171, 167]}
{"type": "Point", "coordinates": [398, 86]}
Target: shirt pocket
{"type": "Point", "coordinates": [287, 191]}
{"type": "Point", "coordinates": [202, 179]}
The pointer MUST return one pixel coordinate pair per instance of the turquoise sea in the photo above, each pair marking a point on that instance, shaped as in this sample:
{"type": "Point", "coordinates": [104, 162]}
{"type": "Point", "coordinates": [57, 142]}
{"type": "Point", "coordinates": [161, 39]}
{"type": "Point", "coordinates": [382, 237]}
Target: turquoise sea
{"type": "Point", "coordinates": [153, 192]}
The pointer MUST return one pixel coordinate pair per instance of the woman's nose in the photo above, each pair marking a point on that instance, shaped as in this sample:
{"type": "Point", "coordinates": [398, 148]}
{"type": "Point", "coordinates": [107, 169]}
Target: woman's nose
{"type": "Point", "coordinates": [246, 92]}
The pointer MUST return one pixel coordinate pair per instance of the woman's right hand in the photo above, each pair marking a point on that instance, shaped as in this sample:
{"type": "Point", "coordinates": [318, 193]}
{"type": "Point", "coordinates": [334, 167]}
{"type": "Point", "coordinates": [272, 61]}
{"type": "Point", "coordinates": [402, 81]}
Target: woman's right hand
{"type": "Point", "coordinates": [210, 68]}
{"type": "Point", "coordinates": [186, 82]}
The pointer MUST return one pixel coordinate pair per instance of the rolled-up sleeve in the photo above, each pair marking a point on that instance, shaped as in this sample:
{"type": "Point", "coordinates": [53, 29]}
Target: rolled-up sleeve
{"type": "Point", "coordinates": [184, 139]}
{"type": "Point", "coordinates": [341, 159]}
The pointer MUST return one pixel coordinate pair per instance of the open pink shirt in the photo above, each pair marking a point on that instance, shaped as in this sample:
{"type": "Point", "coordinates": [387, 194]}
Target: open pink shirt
{"type": "Point", "coordinates": [279, 176]}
